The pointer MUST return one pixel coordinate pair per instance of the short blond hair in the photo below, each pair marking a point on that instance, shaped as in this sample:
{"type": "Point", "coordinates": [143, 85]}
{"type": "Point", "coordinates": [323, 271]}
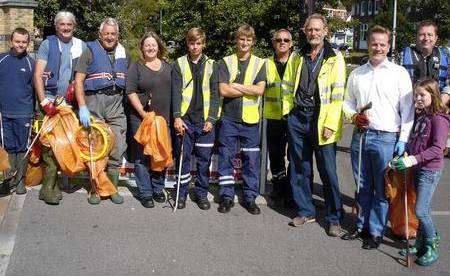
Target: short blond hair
{"type": "Point", "coordinates": [246, 30]}
{"type": "Point", "coordinates": [195, 34]}
{"type": "Point", "coordinates": [377, 29]}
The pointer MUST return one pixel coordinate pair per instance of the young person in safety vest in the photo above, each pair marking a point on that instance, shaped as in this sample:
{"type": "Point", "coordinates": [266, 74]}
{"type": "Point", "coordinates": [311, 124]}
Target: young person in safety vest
{"type": "Point", "coordinates": [276, 84]}
{"type": "Point", "coordinates": [314, 122]}
{"type": "Point", "coordinates": [54, 71]}
{"type": "Point", "coordinates": [241, 83]}
{"type": "Point", "coordinates": [99, 88]}
{"type": "Point", "coordinates": [195, 105]}
{"type": "Point", "coordinates": [16, 105]}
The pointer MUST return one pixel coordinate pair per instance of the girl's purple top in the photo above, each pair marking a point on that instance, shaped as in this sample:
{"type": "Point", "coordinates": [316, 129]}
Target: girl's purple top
{"type": "Point", "coordinates": [428, 140]}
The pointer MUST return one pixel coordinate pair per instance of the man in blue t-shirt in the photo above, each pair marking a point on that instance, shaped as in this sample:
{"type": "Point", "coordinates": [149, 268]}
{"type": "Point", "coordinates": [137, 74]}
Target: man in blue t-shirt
{"type": "Point", "coordinates": [56, 61]}
{"type": "Point", "coordinates": [16, 105]}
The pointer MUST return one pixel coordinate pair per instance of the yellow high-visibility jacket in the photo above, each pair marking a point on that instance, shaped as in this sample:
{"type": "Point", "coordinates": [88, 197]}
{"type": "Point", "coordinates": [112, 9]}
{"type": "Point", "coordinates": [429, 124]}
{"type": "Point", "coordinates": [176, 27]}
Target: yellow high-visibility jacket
{"type": "Point", "coordinates": [275, 85]}
{"type": "Point", "coordinates": [250, 104]}
{"type": "Point", "coordinates": [188, 84]}
{"type": "Point", "coordinates": [331, 83]}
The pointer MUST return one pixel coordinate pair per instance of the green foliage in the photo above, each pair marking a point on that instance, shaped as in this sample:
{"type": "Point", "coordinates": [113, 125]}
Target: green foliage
{"type": "Point", "coordinates": [405, 29]}
{"type": "Point", "coordinates": [137, 17]}
{"type": "Point", "coordinates": [89, 14]}
{"type": "Point", "coordinates": [220, 18]}
{"type": "Point", "coordinates": [409, 13]}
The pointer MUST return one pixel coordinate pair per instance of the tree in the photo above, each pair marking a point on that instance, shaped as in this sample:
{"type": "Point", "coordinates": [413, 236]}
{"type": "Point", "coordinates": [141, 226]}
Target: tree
{"type": "Point", "coordinates": [89, 15]}
{"type": "Point", "coordinates": [220, 18]}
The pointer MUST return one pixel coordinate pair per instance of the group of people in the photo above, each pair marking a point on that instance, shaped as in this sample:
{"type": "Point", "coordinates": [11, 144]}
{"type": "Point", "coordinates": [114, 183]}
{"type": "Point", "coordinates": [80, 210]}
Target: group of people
{"type": "Point", "coordinates": [304, 96]}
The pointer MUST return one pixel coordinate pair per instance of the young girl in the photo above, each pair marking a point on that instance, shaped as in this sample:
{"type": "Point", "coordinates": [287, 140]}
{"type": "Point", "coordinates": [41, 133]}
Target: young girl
{"type": "Point", "coordinates": [425, 148]}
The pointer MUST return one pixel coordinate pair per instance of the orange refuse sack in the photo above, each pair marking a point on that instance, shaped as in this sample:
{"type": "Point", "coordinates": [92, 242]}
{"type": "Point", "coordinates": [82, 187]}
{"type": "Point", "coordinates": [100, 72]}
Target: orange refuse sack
{"type": "Point", "coordinates": [4, 160]}
{"type": "Point", "coordinates": [35, 168]}
{"type": "Point", "coordinates": [153, 134]}
{"type": "Point", "coordinates": [70, 145]}
{"type": "Point", "coordinates": [395, 192]}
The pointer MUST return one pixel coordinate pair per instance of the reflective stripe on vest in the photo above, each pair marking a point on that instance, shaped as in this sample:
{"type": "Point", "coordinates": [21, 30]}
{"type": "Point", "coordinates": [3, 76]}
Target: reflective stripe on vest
{"type": "Point", "coordinates": [188, 84]}
{"type": "Point", "coordinates": [409, 65]}
{"type": "Point", "coordinates": [275, 88]}
{"type": "Point", "coordinates": [100, 73]}
{"type": "Point", "coordinates": [250, 104]}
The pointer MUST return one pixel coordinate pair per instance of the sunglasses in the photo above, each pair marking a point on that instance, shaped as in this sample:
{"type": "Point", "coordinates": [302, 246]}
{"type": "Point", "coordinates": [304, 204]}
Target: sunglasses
{"type": "Point", "coordinates": [285, 40]}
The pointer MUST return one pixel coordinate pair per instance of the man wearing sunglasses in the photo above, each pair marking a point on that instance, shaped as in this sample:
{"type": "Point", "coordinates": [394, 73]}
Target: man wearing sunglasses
{"type": "Point", "coordinates": [314, 122]}
{"type": "Point", "coordinates": [276, 81]}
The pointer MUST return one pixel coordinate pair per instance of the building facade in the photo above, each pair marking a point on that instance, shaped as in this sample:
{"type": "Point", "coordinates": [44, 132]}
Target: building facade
{"type": "Point", "coordinates": [15, 14]}
{"type": "Point", "coordinates": [364, 11]}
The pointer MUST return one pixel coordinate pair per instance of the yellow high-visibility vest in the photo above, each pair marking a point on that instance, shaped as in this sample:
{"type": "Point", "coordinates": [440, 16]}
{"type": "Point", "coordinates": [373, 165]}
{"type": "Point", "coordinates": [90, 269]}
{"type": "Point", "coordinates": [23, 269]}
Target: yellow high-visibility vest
{"type": "Point", "coordinates": [275, 87]}
{"type": "Point", "coordinates": [331, 83]}
{"type": "Point", "coordinates": [188, 84]}
{"type": "Point", "coordinates": [250, 104]}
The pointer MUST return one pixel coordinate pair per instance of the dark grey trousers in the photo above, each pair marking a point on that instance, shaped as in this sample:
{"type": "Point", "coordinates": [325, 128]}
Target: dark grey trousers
{"type": "Point", "coordinates": [109, 109]}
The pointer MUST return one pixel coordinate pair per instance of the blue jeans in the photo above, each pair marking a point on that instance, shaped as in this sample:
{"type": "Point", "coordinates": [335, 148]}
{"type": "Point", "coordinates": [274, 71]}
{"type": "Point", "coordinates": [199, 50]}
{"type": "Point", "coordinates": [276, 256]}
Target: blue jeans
{"type": "Point", "coordinates": [147, 181]}
{"type": "Point", "coordinates": [230, 133]}
{"type": "Point", "coordinates": [303, 142]}
{"type": "Point", "coordinates": [426, 182]}
{"type": "Point", "coordinates": [377, 151]}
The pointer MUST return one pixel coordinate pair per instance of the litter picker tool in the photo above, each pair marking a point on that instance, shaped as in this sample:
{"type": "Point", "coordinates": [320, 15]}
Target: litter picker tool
{"type": "Point", "coordinates": [94, 188]}
{"type": "Point", "coordinates": [179, 176]}
{"type": "Point", "coordinates": [24, 159]}
{"type": "Point", "coordinates": [405, 190]}
{"type": "Point", "coordinates": [361, 138]}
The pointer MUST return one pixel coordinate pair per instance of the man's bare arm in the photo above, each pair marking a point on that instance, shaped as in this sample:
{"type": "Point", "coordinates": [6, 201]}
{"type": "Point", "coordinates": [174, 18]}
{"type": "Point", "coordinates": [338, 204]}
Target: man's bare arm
{"type": "Point", "coordinates": [79, 88]}
{"type": "Point", "coordinates": [227, 90]}
{"type": "Point", "coordinates": [250, 90]}
{"type": "Point", "coordinates": [37, 79]}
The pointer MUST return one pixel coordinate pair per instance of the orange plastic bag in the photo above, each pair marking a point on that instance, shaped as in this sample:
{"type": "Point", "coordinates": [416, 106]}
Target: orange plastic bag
{"type": "Point", "coordinates": [35, 170]}
{"type": "Point", "coordinates": [70, 145]}
{"type": "Point", "coordinates": [153, 134]}
{"type": "Point", "coordinates": [395, 187]}
{"type": "Point", "coordinates": [4, 160]}
{"type": "Point", "coordinates": [102, 139]}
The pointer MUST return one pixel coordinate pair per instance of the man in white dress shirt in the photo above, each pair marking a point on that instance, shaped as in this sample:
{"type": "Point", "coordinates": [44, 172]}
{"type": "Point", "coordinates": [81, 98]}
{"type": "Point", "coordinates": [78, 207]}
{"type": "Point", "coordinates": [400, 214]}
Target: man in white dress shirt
{"type": "Point", "coordinates": [385, 129]}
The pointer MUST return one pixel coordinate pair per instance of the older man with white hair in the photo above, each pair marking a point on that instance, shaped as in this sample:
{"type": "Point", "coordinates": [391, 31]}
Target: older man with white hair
{"type": "Point", "coordinates": [54, 71]}
{"type": "Point", "coordinates": [99, 89]}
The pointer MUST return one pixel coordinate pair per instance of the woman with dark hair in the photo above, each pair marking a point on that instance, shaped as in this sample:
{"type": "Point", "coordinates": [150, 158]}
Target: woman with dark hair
{"type": "Point", "coordinates": [148, 89]}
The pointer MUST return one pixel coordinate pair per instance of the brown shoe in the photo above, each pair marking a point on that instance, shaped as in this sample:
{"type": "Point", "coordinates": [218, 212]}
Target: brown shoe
{"type": "Point", "coordinates": [334, 230]}
{"type": "Point", "coordinates": [299, 221]}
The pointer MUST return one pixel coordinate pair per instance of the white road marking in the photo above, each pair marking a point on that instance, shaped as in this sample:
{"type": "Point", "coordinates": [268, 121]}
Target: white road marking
{"type": "Point", "coordinates": [8, 229]}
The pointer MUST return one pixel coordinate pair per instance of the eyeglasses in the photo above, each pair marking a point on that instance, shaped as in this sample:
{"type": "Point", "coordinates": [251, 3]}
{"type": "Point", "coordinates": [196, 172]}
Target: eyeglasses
{"type": "Point", "coordinates": [285, 40]}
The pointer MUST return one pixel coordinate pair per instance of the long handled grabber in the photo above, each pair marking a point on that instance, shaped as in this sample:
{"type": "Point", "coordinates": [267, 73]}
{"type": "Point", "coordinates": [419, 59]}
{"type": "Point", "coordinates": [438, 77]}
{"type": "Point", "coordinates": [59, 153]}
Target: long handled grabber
{"type": "Point", "coordinates": [358, 184]}
{"type": "Point", "coordinates": [179, 175]}
{"type": "Point", "coordinates": [405, 183]}
{"type": "Point", "coordinates": [24, 159]}
{"type": "Point", "coordinates": [94, 188]}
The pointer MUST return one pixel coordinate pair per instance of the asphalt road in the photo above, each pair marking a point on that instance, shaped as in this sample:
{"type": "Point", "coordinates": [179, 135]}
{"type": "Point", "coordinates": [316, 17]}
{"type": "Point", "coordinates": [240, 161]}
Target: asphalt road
{"type": "Point", "coordinates": [76, 238]}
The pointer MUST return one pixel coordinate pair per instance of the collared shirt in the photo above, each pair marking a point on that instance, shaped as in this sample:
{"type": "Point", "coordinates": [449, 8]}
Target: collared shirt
{"type": "Point", "coordinates": [308, 90]}
{"type": "Point", "coordinates": [389, 88]}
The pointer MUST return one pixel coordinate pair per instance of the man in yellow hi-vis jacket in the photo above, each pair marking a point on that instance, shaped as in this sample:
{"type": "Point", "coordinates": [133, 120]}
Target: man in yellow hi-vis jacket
{"type": "Point", "coordinates": [276, 82]}
{"type": "Point", "coordinates": [314, 119]}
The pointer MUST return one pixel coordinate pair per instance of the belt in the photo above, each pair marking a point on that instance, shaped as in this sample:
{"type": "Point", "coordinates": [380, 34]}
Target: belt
{"type": "Point", "coordinates": [106, 91]}
{"type": "Point", "coordinates": [380, 131]}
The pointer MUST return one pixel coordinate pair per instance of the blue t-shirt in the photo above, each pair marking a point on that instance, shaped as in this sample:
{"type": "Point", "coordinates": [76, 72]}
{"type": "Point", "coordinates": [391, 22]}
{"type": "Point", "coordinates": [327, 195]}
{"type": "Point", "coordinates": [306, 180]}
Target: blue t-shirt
{"type": "Point", "coordinates": [65, 69]}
